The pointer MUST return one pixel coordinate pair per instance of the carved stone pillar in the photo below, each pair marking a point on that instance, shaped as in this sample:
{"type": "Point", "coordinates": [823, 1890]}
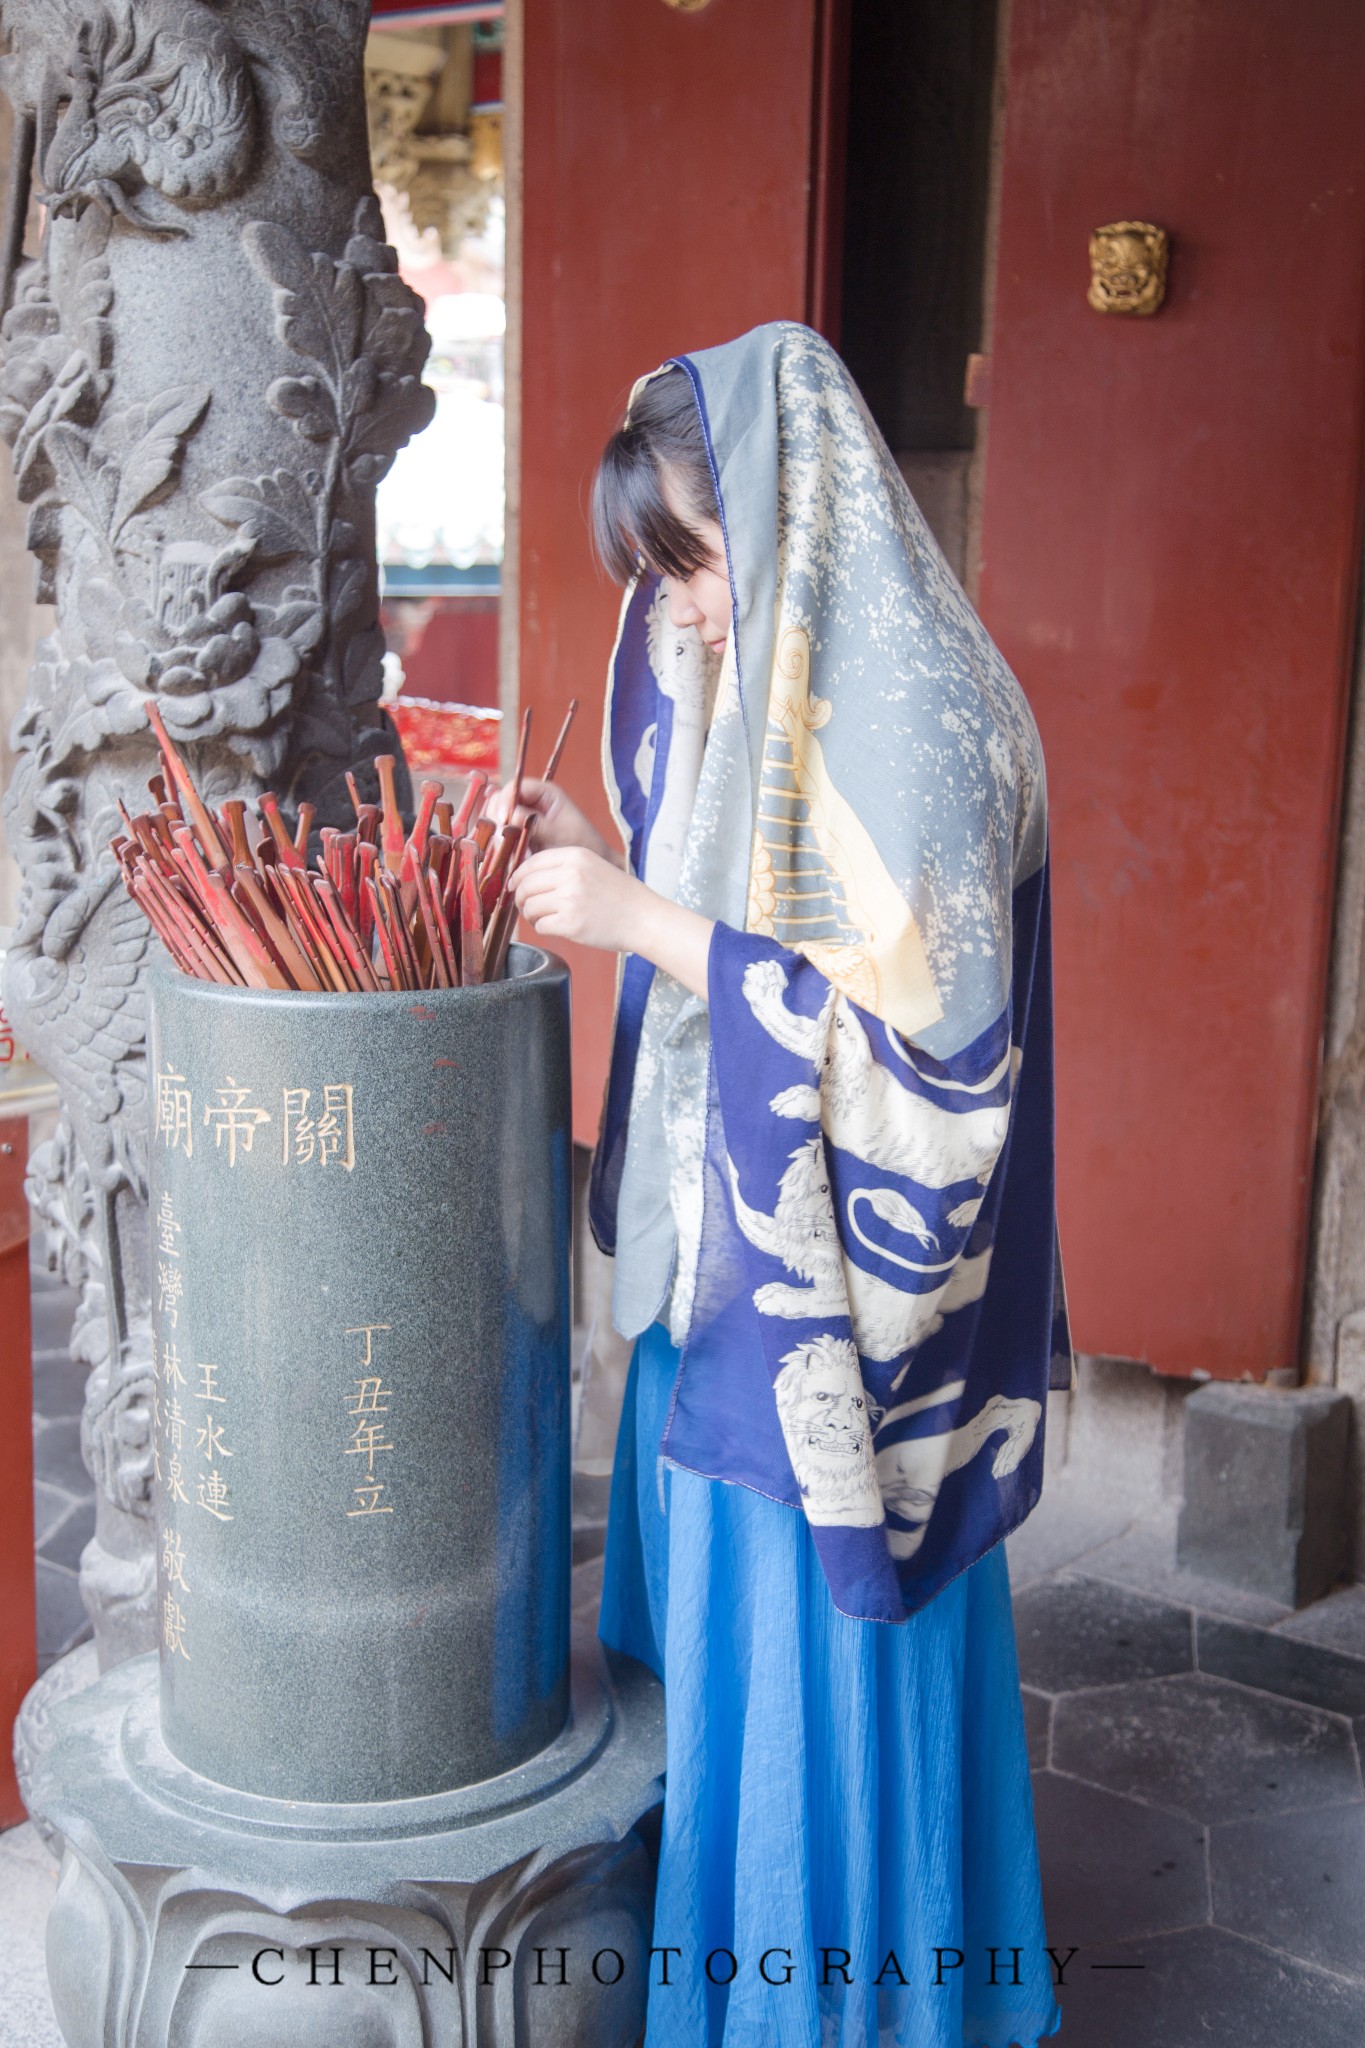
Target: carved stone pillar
{"type": "Point", "coordinates": [204, 373]}
{"type": "Point", "coordinates": [1334, 1320]}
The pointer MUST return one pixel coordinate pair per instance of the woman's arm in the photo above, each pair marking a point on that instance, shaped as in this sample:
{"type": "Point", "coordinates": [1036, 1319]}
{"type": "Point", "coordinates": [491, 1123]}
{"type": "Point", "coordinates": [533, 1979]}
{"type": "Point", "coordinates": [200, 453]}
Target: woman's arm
{"type": "Point", "coordinates": [570, 892]}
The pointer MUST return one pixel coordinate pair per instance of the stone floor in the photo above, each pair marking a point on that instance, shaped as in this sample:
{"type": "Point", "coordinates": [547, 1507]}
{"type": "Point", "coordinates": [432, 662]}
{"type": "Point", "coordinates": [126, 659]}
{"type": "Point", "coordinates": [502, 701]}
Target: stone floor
{"type": "Point", "coordinates": [1197, 1753]}
{"type": "Point", "coordinates": [1198, 1790]}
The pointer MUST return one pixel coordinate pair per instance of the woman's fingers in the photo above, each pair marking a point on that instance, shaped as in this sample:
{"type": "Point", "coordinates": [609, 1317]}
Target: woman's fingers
{"type": "Point", "coordinates": [532, 870]}
{"type": "Point", "coordinates": [542, 905]}
{"type": "Point", "coordinates": [539, 883]}
{"type": "Point", "coordinates": [538, 800]}
{"type": "Point", "coordinates": [553, 925]}
{"type": "Point", "coordinates": [551, 860]}
{"type": "Point", "coordinates": [569, 892]}
{"type": "Point", "coordinates": [560, 891]}
{"type": "Point", "coordinates": [539, 904]}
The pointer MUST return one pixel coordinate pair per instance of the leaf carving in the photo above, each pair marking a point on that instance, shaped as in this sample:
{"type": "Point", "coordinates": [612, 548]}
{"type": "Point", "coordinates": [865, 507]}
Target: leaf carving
{"type": "Point", "coordinates": [318, 305]}
{"type": "Point", "coordinates": [301, 622]}
{"type": "Point", "coordinates": [397, 339]}
{"type": "Point", "coordinates": [155, 434]}
{"type": "Point", "coordinates": [75, 401]}
{"type": "Point", "coordinates": [362, 665]}
{"type": "Point", "coordinates": [273, 511]}
{"type": "Point", "coordinates": [404, 405]}
{"type": "Point", "coordinates": [358, 386]}
{"type": "Point", "coordinates": [367, 248]}
{"type": "Point", "coordinates": [87, 485]}
{"type": "Point", "coordinates": [93, 293]}
{"type": "Point", "coordinates": [351, 582]}
{"type": "Point", "coordinates": [306, 401]}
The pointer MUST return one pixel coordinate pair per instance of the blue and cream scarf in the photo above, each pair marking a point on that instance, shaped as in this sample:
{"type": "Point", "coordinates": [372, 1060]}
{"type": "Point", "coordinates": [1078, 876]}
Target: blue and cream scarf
{"type": "Point", "coordinates": [836, 1177]}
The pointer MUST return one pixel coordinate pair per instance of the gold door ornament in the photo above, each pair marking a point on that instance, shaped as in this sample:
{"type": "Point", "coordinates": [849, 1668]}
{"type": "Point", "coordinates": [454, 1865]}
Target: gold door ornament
{"type": "Point", "coordinates": [687, 6]}
{"type": "Point", "coordinates": [1128, 262]}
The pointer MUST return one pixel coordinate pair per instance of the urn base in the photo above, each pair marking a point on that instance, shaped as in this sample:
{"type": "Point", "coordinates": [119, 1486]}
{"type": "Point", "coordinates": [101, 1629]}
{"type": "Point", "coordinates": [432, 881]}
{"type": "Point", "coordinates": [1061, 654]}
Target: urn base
{"type": "Point", "coordinates": [507, 1913]}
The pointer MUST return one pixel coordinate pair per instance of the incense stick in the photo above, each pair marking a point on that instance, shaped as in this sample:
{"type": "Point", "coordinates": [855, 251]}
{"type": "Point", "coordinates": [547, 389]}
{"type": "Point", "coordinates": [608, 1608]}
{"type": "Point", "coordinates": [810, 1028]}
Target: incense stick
{"type": "Point", "coordinates": [380, 908]}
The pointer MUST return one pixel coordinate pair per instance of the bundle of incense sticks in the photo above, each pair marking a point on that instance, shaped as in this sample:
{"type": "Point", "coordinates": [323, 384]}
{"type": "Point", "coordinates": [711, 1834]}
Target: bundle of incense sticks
{"type": "Point", "coordinates": [233, 898]}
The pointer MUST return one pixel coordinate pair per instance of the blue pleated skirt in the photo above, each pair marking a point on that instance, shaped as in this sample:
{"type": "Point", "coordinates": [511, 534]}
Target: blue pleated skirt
{"type": "Point", "coordinates": [848, 1826]}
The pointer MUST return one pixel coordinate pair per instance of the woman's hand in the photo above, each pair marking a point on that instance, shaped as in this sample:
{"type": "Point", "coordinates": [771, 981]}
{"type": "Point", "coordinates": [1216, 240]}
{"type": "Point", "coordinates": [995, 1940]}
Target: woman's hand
{"type": "Point", "coordinates": [558, 820]}
{"type": "Point", "coordinates": [571, 893]}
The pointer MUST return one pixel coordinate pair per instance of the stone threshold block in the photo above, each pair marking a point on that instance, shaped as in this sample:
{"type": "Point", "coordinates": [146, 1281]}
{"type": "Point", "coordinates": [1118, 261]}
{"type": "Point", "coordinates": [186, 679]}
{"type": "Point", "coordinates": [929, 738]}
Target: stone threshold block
{"type": "Point", "coordinates": [506, 1914]}
{"type": "Point", "coordinates": [1265, 1505]}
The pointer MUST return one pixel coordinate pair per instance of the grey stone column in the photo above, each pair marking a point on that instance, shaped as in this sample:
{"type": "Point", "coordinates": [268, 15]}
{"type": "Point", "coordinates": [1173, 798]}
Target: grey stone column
{"type": "Point", "coordinates": [204, 372]}
{"type": "Point", "coordinates": [1334, 1317]}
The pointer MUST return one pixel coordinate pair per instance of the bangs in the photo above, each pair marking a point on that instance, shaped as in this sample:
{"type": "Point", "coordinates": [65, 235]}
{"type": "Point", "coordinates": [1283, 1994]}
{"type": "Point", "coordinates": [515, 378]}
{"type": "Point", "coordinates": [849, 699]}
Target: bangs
{"type": "Point", "coordinates": [633, 524]}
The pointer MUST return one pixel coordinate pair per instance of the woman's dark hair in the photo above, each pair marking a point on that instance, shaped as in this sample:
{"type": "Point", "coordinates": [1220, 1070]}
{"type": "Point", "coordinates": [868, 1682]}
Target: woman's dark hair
{"type": "Point", "coordinates": [632, 521]}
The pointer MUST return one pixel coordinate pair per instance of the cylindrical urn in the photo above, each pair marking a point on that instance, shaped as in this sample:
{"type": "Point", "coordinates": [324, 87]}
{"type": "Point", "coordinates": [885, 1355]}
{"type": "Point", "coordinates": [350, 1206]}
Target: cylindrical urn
{"type": "Point", "coordinates": [360, 1244]}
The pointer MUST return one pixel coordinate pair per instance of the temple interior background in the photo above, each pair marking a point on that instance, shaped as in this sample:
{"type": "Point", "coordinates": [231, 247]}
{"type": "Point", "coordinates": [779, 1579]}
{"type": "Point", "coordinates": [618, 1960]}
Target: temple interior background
{"type": "Point", "coordinates": [1157, 509]}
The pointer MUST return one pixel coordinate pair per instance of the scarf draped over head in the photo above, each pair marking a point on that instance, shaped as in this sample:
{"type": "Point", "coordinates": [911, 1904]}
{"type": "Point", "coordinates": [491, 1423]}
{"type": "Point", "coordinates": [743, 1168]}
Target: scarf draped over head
{"type": "Point", "coordinates": [836, 1177]}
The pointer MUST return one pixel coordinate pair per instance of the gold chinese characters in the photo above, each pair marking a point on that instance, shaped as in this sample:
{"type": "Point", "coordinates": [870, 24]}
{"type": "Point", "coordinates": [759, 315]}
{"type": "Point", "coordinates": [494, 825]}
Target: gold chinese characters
{"type": "Point", "coordinates": [367, 1405]}
{"type": "Point", "coordinates": [174, 1112]}
{"type": "Point", "coordinates": [316, 1125]}
{"type": "Point", "coordinates": [229, 1116]}
{"type": "Point", "coordinates": [328, 1136]}
{"type": "Point", "coordinates": [190, 1444]}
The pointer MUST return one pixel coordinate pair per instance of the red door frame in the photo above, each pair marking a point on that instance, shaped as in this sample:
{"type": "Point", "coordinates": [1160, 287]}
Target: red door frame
{"type": "Point", "coordinates": [671, 163]}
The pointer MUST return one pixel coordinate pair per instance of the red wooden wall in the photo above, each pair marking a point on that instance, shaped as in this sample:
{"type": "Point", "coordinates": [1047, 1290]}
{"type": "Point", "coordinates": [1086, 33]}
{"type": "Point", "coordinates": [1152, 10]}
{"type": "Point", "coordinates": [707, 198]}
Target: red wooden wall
{"type": "Point", "coordinates": [1170, 544]}
{"type": "Point", "coordinates": [666, 207]}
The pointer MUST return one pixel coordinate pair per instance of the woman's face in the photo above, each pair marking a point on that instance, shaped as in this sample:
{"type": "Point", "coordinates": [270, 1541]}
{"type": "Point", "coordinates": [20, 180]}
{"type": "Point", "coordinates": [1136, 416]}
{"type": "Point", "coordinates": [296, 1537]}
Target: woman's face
{"type": "Point", "coordinates": [703, 598]}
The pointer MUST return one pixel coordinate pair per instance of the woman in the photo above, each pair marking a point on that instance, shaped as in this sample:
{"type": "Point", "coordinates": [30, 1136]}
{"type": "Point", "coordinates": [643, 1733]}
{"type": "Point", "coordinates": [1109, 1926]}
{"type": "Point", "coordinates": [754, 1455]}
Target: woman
{"type": "Point", "coordinates": [826, 1173]}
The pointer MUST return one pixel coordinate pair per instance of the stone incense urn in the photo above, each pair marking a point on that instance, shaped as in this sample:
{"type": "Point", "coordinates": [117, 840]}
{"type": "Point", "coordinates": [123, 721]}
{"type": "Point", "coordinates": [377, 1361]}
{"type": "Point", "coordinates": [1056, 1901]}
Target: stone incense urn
{"type": "Point", "coordinates": [364, 1794]}
{"type": "Point", "coordinates": [360, 1299]}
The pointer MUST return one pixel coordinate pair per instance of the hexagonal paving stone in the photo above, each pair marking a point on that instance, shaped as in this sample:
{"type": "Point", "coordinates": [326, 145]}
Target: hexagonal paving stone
{"type": "Point", "coordinates": [585, 1591]}
{"type": "Point", "coordinates": [64, 1544]}
{"type": "Point", "coordinates": [1337, 1623]}
{"type": "Point", "coordinates": [1205, 1747]}
{"type": "Point", "coordinates": [57, 1455]}
{"type": "Point", "coordinates": [52, 1311]}
{"type": "Point", "coordinates": [1296, 1882]}
{"type": "Point", "coordinates": [62, 1619]}
{"type": "Point", "coordinates": [1205, 1989]}
{"type": "Point", "coordinates": [50, 1504]}
{"type": "Point", "coordinates": [1113, 1869]}
{"type": "Point", "coordinates": [1275, 1662]}
{"type": "Point", "coordinates": [1074, 1632]}
{"type": "Point", "coordinates": [1037, 1727]}
{"type": "Point", "coordinates": [58, 1383]}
